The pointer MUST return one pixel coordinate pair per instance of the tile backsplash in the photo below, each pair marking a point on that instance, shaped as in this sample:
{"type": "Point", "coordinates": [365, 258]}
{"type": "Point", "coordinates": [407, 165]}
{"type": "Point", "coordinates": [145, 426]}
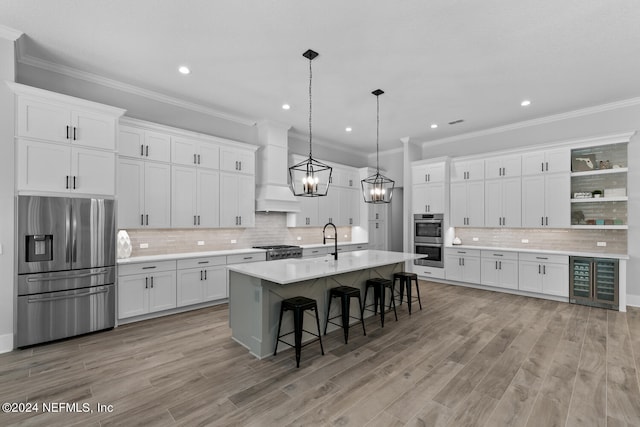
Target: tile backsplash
{"type": "Point", "coordinates": [271, 228]}
{"type": "Point", "coordinates": [579, 240]}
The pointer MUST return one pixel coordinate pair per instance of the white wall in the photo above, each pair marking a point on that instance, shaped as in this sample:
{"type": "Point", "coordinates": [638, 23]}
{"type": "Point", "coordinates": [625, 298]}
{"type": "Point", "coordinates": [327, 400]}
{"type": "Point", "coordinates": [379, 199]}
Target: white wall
{"type": "Point", "coordinates": [392, 163]}
{"type": "Point", "coordinates": [7, 199]}
{"type": "Point", "coordinates": [567, 127]}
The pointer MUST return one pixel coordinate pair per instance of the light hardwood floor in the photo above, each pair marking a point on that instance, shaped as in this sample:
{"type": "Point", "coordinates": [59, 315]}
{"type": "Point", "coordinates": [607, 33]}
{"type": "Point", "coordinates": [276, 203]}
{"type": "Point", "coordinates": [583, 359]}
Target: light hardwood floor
{"type": "Point", "coordinates": [470, 357]}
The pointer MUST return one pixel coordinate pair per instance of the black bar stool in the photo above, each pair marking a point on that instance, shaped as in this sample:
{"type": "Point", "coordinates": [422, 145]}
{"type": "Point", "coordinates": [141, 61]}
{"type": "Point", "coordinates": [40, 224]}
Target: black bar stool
{"type": "Point", "coordinates": [298, 305]}
{"type": "Point", "coordinates": [345, 293]}
{"type": "Point", "coordinates": [405, 282]}
{"type": "Point", "coordinates": [380, 286]}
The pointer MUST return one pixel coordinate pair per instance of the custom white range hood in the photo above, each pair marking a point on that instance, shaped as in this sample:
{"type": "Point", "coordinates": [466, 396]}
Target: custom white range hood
{"type": "Point", "coordinates": [272, 188]}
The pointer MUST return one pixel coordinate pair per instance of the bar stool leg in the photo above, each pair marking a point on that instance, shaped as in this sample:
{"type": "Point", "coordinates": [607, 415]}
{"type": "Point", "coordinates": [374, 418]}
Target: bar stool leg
{"type": "Point", "coordinates": [298, 317]}
{"type": "Point", "coordinates": [361, 315]}
{"type": "Point", "coordinates": [409, 301]}
{"type": "Point", "coordinates": [318, 325]}
{"type": "Point", "coordinates": [393, 301]}
{"type": "Point", "coordinates": [328, 311]}
{"type": "Point", "coordinates": [418, 293]}
{"type": "Point", "coordinates": [382, 291]}
{"type": "Point", "coordinates": [275, 350]}
{"type": "Point", "coordinates": [346, 305]}
{"type": "Point", "coordinates": [401, 287]}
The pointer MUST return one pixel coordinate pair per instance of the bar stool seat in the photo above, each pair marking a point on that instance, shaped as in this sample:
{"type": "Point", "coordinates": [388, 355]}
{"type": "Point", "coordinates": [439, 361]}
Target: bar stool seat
{"type": "Point", "coordinates": [298, 305]}
{"type": "Point", "coordinates": [406, 279]}
{"type": "Point", "coordinates": [380, 286]}
{"type": "Point", "coordinates": [345, 293]}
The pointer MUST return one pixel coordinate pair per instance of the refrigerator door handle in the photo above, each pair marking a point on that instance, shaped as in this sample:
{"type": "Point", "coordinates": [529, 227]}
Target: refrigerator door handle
{"type": "Point", "coordinates": [103, 290]}
{"type": "Point", "coordinates": [73, 276]}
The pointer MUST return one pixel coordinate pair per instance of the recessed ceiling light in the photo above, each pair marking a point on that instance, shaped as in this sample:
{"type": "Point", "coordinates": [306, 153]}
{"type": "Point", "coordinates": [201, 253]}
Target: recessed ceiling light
{"type": "Point", "coordinates": [184, 69]}
{"type": "Point", "coordinates": [286, 106]}
{"type": "Point", "coordinates": [525, 103]}
{"type": "Point", "coordinates": [348, 129]}
{"type": "Point", "coordinates": [434, 125]}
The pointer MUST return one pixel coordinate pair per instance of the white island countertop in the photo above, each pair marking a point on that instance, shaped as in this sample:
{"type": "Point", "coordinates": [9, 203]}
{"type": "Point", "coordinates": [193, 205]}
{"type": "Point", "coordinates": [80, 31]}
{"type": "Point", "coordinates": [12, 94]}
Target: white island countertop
{"type": "Point", "coordinates": [294, 270]}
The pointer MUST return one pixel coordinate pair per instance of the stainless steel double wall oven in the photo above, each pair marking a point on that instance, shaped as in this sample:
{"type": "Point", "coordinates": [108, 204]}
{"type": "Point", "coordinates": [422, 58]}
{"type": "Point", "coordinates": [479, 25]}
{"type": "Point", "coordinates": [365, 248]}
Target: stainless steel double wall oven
{"type": "Point", "coordinates": [428, 239]}
{"type": "Point", "coordinates": [66, 267]}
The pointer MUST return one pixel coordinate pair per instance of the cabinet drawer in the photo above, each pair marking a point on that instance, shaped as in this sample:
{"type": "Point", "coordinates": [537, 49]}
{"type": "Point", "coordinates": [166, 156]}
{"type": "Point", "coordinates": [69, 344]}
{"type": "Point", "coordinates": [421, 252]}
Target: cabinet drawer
{"type": "Point", "coordinates": [462, 252]}
{"type": "Point", "coordinates": [544, 258]}
{"type": "Point", "coordinates": [248, 257]}
{"type": "Point", "coordinates": [201, 262]}
{"type": "Point", "coordinates": [428, 272]}
{"type": "Point", "coordinates": [499, 255]}
{"type": "Point", "coordinates": [311, 252]}
{"type": "Point", "coordinates": [146, 267]}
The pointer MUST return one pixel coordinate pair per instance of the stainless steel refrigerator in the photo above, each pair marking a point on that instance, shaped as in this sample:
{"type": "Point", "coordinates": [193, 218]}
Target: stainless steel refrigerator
{"type": "Point", "coordinates": [66, 267]}
{"type": "Point", "coordinates": [594, 282]}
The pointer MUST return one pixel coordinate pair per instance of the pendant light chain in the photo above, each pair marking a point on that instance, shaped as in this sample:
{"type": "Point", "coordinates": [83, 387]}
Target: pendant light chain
{"type": "Point", "coordinates": [310, 76]}
{"type": "Point", "coordinates": [377, 133]}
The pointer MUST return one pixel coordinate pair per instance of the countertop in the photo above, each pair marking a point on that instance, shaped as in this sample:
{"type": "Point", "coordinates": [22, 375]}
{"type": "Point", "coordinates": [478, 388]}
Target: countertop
{"type": "Point", "coordinates": [542, 251]}
{"type": "Point", "coordinates": [204, 254]}
{"type": "Point", "coordinates": [294, 270]}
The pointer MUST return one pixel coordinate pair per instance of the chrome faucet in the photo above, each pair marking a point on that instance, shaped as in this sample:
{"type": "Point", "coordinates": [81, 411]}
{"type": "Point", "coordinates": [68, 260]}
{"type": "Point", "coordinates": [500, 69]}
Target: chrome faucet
{"type": "Point", "coordinates": [335, 239]}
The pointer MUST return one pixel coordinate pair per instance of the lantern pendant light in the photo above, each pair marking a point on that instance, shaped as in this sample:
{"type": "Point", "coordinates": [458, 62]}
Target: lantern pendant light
{"type": "Point", "coordinates": [310, 178]}
{"type": "Point", "coordinates": [377, 188]}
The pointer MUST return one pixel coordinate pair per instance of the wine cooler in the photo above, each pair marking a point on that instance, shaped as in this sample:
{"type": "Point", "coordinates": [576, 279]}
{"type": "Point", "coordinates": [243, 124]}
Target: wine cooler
{"type": "Point", "coordinates": [594, 282]}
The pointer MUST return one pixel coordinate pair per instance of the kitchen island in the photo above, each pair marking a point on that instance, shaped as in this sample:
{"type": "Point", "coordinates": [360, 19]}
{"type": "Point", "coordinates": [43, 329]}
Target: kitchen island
{"type": "Point", "coordinates": [256, 290]}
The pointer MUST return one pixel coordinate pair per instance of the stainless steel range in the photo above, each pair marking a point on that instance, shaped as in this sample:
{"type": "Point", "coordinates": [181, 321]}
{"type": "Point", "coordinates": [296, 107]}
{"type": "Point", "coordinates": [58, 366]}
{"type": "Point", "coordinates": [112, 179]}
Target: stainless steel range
{"type": "Point", "coordinates": [275, 252]}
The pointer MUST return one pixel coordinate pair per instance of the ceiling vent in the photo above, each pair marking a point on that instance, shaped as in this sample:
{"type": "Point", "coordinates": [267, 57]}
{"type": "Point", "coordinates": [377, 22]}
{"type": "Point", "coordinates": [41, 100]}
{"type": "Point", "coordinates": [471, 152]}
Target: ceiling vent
{"type": "Point", "coordinates": [455, 122]}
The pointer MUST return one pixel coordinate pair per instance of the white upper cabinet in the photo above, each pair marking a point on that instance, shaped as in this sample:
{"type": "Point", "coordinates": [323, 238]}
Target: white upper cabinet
{"type": "Point", "coordinates": [193, 152]}
{"type": "Point", "coordinates": [233, 159]}
{"type": "Point", "coordinates": [144, 144]}
{"type": "Point", "coordinates": [467, 170]}
{"type": "Point", "coordinates": [429, 173]}
{"type": "Point", "coordinates": [55, 121]}
{"type": "Point", "coordinates": [467, 203]}
{"type": "Point", "coordinates": [502, 202]}
{"type": "Point", "coordinates": [546, 200]}
{"type": "Point", "coordinates": [237, 200]}
{"type": "Point", "coordinates": [502, 166]}
{"type": "Point", "coordinates": [429, 198]}
{"type": "Point", "coordinates": [547, 161]}
{"type": "Point", "coordinates": [43, 166]}
{"type": "Point", "coordinates": [195, 197]}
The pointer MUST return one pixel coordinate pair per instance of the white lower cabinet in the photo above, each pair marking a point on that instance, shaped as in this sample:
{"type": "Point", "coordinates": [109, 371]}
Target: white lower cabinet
{"type": "Point", "coordinates": [499, 269]}
{"type": "Point", "coordinates": [544, 274]}
{"type": "Point", "coordinates": [200, 280]}
{"type": "Point", "coordinates": [462, 265]}
{"type": "Point", "coordinates": [146, 288]}
{"type": "Point", "coordinates": [427, 272]}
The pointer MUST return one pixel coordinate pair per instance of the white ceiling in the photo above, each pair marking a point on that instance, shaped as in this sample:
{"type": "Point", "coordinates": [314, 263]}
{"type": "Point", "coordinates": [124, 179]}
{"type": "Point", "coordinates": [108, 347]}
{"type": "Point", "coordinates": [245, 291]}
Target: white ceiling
{"type": "Point", "coordinates": [436, 60]}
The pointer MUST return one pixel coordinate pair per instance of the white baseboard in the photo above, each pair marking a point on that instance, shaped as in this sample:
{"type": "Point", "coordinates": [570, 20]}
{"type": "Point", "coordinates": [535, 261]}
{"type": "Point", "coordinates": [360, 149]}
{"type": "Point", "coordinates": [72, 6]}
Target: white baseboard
{"type": "Point", "coordinates": [633, 300]}
{"type": "Point", "coordinates": [6, 343]}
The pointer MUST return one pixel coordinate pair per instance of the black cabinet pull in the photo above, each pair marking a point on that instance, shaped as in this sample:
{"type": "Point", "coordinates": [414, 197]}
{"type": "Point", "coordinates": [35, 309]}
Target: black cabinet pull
{"type": "Point", "coordinates": [200, 274]}
{"type": "Point", "coordinates": [198, 158]}
{"type": "Point", "coordinates": [147, 216]}
{"type": "Point", "coordinates": [142, 149]}
{"type": "Point", "coordinates": [194, 159]}
{"type": "Point", "coordinates": [141, 219]}
{"type": "Point", "coordinates": [67, 131]}
{"type": "Point", "coordinates": [67, 185]}
{"type": "Point", "coordinates": [149, 267]}
{"type": "Point", "coordinates": [205, 275]}
{"type": "Point", "coordinates": [151, 281]}
{"type": "Point", "coordinates": [146, 283]}
{"type": "Point", "coordinates": [147, 151]}
{"type": "Point", "coordinates": [194, 220]}
{"type": "Point", "coordinates": [198, 219]}
{"type": "Point", "coordinates": [74, 133]}
{"type": "Point", "coordinates": [74, 182]}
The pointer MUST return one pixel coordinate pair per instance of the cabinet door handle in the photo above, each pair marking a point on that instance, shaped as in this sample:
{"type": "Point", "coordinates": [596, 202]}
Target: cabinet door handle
{"type": "Point", "coordinates": [539, 269]}
{"type": "Point", "coordinates": [67, 184]}
{"type": "Point", "coordinates": [74, 182]}
{"type": "Point", "coordinates": [240, 162]}
{"type": "Point", "coordinates": [198, 219]}
{"type": "Point", "coordinates": [200, 274]}
{"type": "Point", "coordinates": [547, 165]}
{"type": "Point", "coordinates": [541, 166]}
{"type": "Point", "coordinates": [240, 219]}
{"type": "Point", "coordinates": [544, 269]}
{"type": "Point", "coordinates": [142, 149]}
{"type": "Point", "coordinates": [67, 131]}
{"type": "Point", "coordinates": [198, 158]}
{"type": "Point", "coordinates": [496, 265]}
{"type": "Point", "coordinates": [541, 220]}
{"type": "Point", "coordinates": [236, 165]}
{"type": "Point", "coordinates": [141, 219]}
{"type": "Point", "coordinates": [459, 261]}
{"type": "Point", "coordinates": [205, 275]}
{"type": "Point", "coordinates": [194, 220]}
{"type": "Point", "coordinates": [147, 216]}
{"type": "Point", "coordinates": [546, 220]}
{"type": "Point", "coordinates": [500, 264]}
{"type": "Point", "coordinates": [463, 262]}
{"type": "Point", "coordinates": [151, 282]}
{"type": "Point", "coordinates": [195, 158]}
{"type": "Point", "coordinates": [146, 283]}
{"type": "Point", "coordinates": [74, 133]}
{"type": "Point", "coordinates": [147, 151]}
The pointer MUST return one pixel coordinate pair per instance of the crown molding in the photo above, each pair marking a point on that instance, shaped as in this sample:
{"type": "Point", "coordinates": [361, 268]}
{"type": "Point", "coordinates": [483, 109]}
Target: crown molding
{"type": "Point", "coordinates": [632, 102]}
{"type": "Point", "coordinates": [9, 33]}
{"type": "Point", "coordinates": [128, 88]}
